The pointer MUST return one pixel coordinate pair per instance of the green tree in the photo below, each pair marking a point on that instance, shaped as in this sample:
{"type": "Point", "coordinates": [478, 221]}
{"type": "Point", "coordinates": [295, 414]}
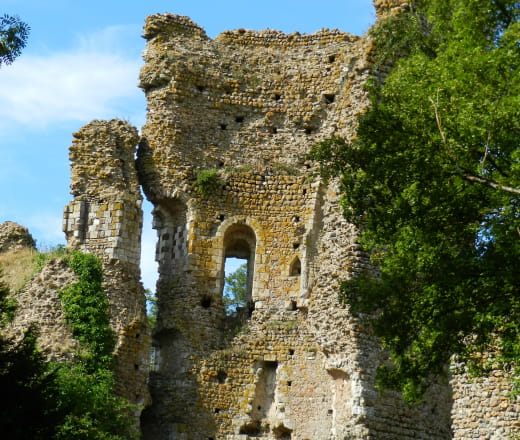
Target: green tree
{"type": "Point", "coordinates": [433, 182]}
{"type": "Point", "coordinates": [151, 307]}
{"type": "Point", "coordinates": [71, 400]}
{"type": "Point", "coordinates": [13, 38]}
{"type": "Point", "coordinates": [25, 381]}
{"type": "Point", "coordinates": [87, 407]}
{"type": "Point", "coordinates": [235, 287]}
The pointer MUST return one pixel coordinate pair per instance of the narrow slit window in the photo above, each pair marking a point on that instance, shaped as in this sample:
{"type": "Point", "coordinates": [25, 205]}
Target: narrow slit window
{"type": "Point", "coordinates": [296, 268]}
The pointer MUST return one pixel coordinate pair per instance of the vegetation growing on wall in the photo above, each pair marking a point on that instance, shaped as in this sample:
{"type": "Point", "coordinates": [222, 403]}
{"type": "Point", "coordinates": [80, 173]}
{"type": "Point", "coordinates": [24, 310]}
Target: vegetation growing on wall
{"type": "Point", "coordinates": [208, 181]}
{"type": "Point", "coordinates": [54, 252]}
{"type": "Point", "coordinates": [65, 400]}
{"type": "Point", "coordinates": [433, 181]}
{"type": "Point", "coordinates": [86, 308]}
{"type": "Point", "coordinates": [91, 407]}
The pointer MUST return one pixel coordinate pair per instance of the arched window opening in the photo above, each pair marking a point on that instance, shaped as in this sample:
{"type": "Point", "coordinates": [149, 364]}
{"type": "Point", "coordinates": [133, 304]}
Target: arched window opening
{"type": "Point", "coordinates": [239, 256]}
{"type": "Point", "coordinates": [235, 285]}
{"type": "Point", "coordinates": [296, 268]}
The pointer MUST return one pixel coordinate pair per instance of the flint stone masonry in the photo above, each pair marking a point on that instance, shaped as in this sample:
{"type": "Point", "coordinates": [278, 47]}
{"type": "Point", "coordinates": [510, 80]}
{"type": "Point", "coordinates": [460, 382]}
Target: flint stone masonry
{"type": "Point", "coordinates": [293, 363]}
{"type": "Point", "coordinates": [483, 407]}
{"type": "Point", "coordinates": [39, 304]}
{"type": "Point", "coordinates": [390, 7]}
{"type": "Point", "coordinates": [249, 105]}
{"type": "Point", "coordinates": [14, 237]}
{"type": "Point", "coordinates": [105, 218]}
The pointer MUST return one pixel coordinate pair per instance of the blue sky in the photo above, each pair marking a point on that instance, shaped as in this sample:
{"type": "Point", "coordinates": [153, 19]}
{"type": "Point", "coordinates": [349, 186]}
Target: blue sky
{"type": "Point", "coordinates": [82, 62]}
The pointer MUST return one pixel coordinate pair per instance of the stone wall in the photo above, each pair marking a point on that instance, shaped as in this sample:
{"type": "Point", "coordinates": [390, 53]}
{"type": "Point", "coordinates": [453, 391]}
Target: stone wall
{"type": "Point", "coordinates": [105, 218]}
{"type": "Point", "coordinates": [14, 237]}
{"type": "Point", "coordinates": [39, 304]}
{"type": "Point", "coordinates": [483, 407]}
{"type": "Point", "coordinates": [248, 106]}
{"type": "Point", "coordinates": [291, 363]}
{"type": "Point", "coordinates": [390, 7]}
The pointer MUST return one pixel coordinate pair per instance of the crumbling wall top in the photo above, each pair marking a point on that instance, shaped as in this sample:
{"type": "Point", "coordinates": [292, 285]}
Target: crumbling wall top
{"type": "Point", "coordinates": [14, 236]}
{"type": "Point", "coordinates": [269, 37]}
{"type": "Point", "coordinates": [390, 7]}
{"type": "Point", "coordinates": [254, 99]}
{"type": "Point", "coordinates": [170, 24]}
{"type": "Point", "coordinates": [102, 158]}
{"type": "Point", "coordinates": [178, 26]}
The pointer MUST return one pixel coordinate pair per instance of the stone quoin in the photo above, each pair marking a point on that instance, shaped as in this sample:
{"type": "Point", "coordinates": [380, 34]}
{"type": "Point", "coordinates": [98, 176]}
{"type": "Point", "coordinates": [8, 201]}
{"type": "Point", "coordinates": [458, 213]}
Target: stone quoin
{"type": "Point", "coordinates": [223, 159]}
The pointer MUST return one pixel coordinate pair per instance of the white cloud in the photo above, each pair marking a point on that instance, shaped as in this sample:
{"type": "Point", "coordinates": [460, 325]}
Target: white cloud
{"type": "Point", "coordinates": [85, 83]}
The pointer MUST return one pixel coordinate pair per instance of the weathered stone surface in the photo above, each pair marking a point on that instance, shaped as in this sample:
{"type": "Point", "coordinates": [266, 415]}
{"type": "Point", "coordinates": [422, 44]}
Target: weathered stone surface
{"type": "Point", "coordinates": [105, 218]}
{"type": "Point", "coordinates": [14, 236]}
{"type": "Point", "coordinates": [39, 304]}
{"type": "Point", "coordinates": [483, 407]}
{"type": "Point", "coordinates": [392, 7]}
{"type": "Point", "coordinates": [246, 106]}
{"type": "Point", "coordinates": [249, 105]}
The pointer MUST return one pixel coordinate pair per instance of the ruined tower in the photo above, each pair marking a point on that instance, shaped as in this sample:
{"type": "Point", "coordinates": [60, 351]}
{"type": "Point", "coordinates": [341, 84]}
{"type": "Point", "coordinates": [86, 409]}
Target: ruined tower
{"type": "Point", "coordinates": [105, 219]}
{"type": "Point", "coordinates": [223, 159]}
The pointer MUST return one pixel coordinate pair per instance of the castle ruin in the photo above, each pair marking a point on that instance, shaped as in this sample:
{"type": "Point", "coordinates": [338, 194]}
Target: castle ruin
{"type": "Point", "coordinates": [243, 110]}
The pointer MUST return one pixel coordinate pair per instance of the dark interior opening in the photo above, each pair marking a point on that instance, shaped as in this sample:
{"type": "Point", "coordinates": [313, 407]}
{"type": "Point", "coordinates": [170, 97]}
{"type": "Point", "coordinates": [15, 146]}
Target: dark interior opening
{"type": "Point", "coordinates": [221, 376]}
{"type": "Point", "coordinates": [206, 301]}
{"type": "Point", "coordinates": [296, 267]}
{"type": "Point", "coordinates": [282, 432]}
{"type": "Point", "coordinates": [329, 98]}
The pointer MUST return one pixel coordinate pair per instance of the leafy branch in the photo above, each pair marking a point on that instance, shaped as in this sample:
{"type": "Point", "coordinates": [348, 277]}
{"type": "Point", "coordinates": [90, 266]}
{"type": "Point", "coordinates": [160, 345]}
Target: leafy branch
{"type": "Point", "coordinates": [13, 38]}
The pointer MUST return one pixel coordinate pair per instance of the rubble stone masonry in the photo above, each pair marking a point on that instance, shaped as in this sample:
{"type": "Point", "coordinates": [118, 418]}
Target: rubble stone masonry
{"type": "Point", "coordinates": [105, 218]}
{"type": "Point", "coordinates": [223, 159]}
{"type": "Point", "coordinates": [247, 107]}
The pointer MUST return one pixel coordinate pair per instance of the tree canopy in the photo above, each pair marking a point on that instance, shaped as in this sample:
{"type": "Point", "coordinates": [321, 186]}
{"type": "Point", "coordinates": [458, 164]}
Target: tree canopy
{"type": "Point", "coordinates": [432, 179]}
{"type": "Point", "coordinates": [13, 38]}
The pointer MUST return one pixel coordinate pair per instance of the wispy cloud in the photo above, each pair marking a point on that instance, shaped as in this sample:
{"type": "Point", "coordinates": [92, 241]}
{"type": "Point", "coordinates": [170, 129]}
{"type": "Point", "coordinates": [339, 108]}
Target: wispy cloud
{"type": "Point", "coordinates": [84, 83]}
